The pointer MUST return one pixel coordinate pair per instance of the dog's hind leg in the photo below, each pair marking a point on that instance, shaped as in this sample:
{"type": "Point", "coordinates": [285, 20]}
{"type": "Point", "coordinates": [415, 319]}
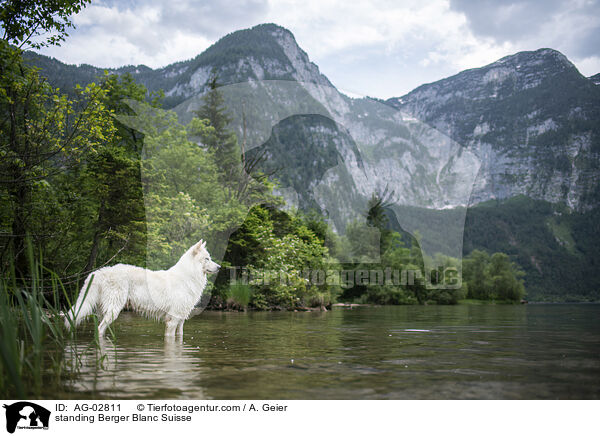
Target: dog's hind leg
{"type": "Point", "coordinates": [106, 321]}
{"type": "Point", "coordinates": [110, 312]}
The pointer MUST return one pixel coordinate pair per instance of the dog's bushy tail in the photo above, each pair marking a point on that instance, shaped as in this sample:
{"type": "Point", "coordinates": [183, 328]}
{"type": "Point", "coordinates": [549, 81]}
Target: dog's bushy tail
{"type": "Point", "coordinates": [86, 302]}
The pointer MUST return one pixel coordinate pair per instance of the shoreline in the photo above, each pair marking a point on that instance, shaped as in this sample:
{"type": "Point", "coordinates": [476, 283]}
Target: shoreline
{"type": "Point", "coordinates": [348, 305]}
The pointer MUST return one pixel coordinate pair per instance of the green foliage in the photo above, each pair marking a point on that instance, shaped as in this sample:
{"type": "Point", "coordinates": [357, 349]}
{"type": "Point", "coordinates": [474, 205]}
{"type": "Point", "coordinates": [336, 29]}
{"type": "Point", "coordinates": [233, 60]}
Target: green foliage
{"type": "Point", "coordinates": [102, 175]}
{"type": "Point", "coordinates": [219, 140]}
{"type": "Point", "coordinates": [492, 278]}
{"type": "Point", "coordinates": [474, 272]}
{"type": "Point", "coordinates": [399, 276]}
{"type": "Point", "coordinates": [24, 20]}
{"type": "Point", "coordinates": [277, 248]}
{"type": "Point", "coordinates": [504, 278]}
{"type": "Point", "coordinates": [238, 295]}
{"type": "Point", "coordinates": [44, 136]}
{"type": "Point", "coordinates": [32, 337]}
{"type": "Point", "coordinates": [183, 196]}
{"type": "Point", "coordinates": [558, 249]}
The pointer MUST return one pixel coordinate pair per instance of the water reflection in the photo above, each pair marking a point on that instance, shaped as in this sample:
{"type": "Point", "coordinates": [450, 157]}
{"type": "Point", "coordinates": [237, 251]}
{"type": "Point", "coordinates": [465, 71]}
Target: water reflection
{"type": "Point", "coordinates": [149, 369]}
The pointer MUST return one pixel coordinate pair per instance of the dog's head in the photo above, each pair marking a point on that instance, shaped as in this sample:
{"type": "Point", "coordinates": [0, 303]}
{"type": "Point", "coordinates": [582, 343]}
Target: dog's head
{"type": "Point", "coordinates": [202, 256]}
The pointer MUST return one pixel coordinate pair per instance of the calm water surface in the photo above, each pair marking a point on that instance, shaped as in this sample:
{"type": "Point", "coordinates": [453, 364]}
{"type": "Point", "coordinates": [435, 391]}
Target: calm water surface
{"type": "Point", "coordinates": [452, 352]}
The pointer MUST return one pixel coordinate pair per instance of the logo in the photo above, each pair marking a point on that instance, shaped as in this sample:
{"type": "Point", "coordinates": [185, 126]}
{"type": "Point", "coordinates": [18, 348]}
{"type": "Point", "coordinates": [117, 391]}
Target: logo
{"type": "Point", "coordinates": [26, 415]}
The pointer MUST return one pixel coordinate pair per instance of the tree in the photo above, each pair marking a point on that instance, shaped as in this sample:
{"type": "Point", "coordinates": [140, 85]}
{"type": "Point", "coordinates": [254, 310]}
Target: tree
{"type": "Point", "coordinates": [112, 177]}
{"type": "Point", "coordinates": [474, 273]}
{"type": "Point", "coordinates": [277, 248]}
{"type": "Point", "coordinates": [505, 278]}
{"type": "Point", "coordinates": [221, 141]}
{"type": "Point", "coordinates": [377, 217]}
{"type": "Point", "coordinates": [492, 277]}
{"type": "Point", "coordinates": [43, 134]}
{"type": "Point", "coordinates": [23, 21]}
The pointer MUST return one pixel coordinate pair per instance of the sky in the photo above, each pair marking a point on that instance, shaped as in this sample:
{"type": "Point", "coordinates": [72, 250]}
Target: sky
{"type": "Point", "coordinates": [379, 48]}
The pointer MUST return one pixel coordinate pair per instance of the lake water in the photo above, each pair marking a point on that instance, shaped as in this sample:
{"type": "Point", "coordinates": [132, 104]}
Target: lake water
{"type": "Point", "coordinates": [406, 352]}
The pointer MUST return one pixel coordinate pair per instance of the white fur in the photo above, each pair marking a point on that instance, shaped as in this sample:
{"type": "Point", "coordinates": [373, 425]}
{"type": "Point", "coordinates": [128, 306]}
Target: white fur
{"type": "Point", "coordinates": [167, 295]}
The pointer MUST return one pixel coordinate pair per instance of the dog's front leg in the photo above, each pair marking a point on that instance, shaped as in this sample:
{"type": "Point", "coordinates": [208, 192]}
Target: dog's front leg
{"type": "Point", "coordinates": [171, 327]}
{"type": "Point", "coordinates": [180, 327]}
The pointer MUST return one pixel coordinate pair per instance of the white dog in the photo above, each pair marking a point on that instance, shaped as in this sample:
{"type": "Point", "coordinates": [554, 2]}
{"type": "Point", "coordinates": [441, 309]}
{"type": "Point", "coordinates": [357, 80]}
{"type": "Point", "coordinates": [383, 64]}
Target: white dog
{"type": "Point", "coordinates": [168, 295]}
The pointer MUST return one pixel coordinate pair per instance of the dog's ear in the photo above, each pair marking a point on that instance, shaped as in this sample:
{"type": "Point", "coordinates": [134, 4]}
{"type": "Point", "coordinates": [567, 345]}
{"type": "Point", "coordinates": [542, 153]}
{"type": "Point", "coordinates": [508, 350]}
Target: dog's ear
{"type": "Point", "coordinates": [199, 246]}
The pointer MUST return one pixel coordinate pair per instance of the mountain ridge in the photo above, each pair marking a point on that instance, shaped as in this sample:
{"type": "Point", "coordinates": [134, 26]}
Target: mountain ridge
{"type": "Point", "coordinates": [529, 117]}
{"type": "Point", "coordinates": [183, 79]}
{"type": "Point", "coordinates": [532, 114]}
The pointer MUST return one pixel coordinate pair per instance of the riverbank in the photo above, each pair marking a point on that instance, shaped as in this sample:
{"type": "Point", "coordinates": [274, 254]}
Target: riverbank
{"type": "Point", "coordinates": [349, 305]}
{"type": "Point", "coordinates": [475, 302]}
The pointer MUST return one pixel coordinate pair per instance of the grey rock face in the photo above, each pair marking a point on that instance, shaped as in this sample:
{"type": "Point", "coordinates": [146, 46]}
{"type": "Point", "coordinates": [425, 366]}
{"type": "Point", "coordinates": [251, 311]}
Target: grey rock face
{"type": "Point", "coordinates": [533, 121]}
{"type": "Point", "coordinates": [526, 124]}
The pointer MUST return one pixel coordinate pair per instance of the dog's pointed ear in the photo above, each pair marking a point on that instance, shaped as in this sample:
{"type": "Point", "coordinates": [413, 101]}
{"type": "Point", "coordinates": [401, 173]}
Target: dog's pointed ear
{"type": "Point", "coordinates": [203, 243]}
{"type": "Point", "coordinates": [198, 246]}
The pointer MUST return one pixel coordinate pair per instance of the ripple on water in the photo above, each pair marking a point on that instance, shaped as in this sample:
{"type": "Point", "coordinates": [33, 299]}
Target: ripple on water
{"type": "Point", "coordinates": [390, 352]}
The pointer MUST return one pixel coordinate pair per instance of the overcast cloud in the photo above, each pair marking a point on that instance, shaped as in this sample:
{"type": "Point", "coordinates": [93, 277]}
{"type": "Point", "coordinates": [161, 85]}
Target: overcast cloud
{"type": "Point", "coordinates": [379, 48]}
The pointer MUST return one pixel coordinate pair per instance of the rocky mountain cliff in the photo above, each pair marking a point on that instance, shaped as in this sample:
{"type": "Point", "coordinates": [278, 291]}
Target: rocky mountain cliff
{"type": "Point", "coordinates": [527, 124]}
{"type": "Point", "coordinates": [265, 52]}
{"type": "Point", "coordinates": [531, 118]}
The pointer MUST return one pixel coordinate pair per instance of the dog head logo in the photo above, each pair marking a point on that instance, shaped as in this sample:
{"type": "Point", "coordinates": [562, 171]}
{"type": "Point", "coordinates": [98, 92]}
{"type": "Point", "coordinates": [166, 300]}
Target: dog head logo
{"type": "Point", "coordinates": [26, 415]}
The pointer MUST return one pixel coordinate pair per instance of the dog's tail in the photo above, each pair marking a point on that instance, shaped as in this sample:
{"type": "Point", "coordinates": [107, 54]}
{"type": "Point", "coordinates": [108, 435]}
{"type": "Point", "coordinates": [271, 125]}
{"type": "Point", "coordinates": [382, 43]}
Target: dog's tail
{"type": "Point", "coordinates": [86, 302]}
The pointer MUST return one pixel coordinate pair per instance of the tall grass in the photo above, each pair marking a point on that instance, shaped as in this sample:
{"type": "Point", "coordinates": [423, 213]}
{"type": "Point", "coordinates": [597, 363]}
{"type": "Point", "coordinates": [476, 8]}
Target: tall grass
{"type": "Point", "coordinates": [32, 333]}
{"type": "Point", "coordinates": [238, 296]}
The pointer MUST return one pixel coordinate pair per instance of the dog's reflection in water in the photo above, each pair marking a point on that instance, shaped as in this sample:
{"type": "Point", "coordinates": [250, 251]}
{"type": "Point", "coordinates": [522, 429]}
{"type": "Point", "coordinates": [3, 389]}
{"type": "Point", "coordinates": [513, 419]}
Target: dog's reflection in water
{"type": "Point", "coordinates": [164, 369]}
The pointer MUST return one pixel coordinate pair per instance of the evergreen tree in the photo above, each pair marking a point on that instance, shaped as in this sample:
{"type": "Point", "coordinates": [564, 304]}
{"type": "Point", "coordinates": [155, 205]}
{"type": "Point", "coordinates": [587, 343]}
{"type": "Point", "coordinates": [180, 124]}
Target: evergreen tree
{"type": "Point", "coordinates": [221, 141]}
{"type": "Point", "coordinates": [377, 217]}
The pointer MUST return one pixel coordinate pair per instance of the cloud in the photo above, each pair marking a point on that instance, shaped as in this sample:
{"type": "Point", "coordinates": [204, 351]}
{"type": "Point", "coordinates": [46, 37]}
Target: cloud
{"type": "Point", "coordinates": [155, 33]}
{"type": "Point", "coordinates": [386, 48]}
{"type": "Point", "coordinates": [571, 26]}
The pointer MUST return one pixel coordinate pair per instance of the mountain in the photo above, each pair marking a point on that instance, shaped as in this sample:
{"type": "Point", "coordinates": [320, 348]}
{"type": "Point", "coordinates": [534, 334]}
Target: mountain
{"type": "Point", "coordinates": [595, 79]}
{"type": "Point", "coordinates": [502, 157]}
{"type": "Point", "coordinates": [265, 52]}
{"type": "Point", "coordinates": [531, 118]}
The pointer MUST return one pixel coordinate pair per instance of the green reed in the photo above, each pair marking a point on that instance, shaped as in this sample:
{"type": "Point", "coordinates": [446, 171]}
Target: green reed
{"type": "Point", "coordinates": [33, 337]}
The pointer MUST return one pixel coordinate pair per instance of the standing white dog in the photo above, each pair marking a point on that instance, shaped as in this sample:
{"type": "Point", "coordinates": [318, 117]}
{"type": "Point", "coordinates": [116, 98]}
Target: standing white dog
{"type": "Point", "coordinates": [168, 295]}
